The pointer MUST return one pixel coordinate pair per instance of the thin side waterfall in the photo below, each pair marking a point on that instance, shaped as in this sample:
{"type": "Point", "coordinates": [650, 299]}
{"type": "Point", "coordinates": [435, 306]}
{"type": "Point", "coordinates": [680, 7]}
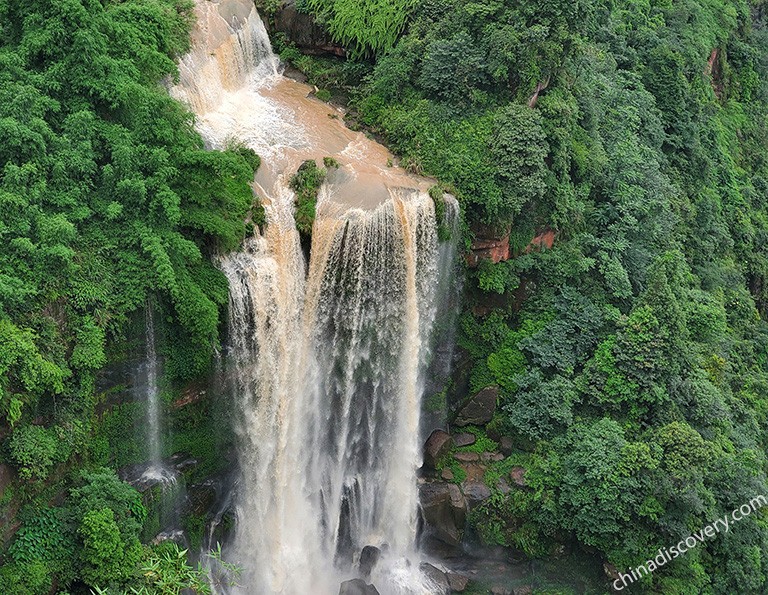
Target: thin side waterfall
{"type": "Point", "coordinates": [155, 471]}
{"type": "Point", "coordinates": [326, 357]}
{"type": "Point", "coordinates": [153, 403]}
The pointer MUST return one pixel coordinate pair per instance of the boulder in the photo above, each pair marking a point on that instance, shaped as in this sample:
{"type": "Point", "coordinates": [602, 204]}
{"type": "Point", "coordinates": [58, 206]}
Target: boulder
{"type": "Point", "coordinates": [437, 446]}
{"type": "Point", "coordinates": [479, 409]}
{"type": "Point", "coordinates": [476, 493]}
{"type": "Point", "coordinates": [357, 586]}
{"type": "Point", "coordinates": [436, 576]}
{"type": "Point", "coordinates": [490, 457]}
{"type": "Point", "coordinates": [447, 474]}
{"type": "Point", "coordinates": [369, 557]}
{"type": "Point", "coordinates": [444, 510]}
{"type": "Point", "coordinates": [467, 457]}
{"type": "Point", "coordinates": [503, 486]}
{"type": "Point", "coordinates": [518, 476]}
{"type": "Point", "coordinates": [523, 590]}
{"type": "Point", "coordinates": [175, 535]}
{"type": "Point", "coordinates": [501, 590]}
{"type": "Point", "coordinates": [506, 445]}
{"type": "Point", "coordinates": [202, 497]}
{"type": "Point", "coordinates": [464, 439]}
{"type": "Point", "coordinates": [458, 582]}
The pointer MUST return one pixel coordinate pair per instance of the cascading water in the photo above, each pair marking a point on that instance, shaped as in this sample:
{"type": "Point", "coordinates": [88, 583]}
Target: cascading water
{"type": "Point", "coordinates": [153, 403]}
{"type": "Point", "coordinates": [155, 470]}
{"type": "Point", "coordinates": [327, 358]}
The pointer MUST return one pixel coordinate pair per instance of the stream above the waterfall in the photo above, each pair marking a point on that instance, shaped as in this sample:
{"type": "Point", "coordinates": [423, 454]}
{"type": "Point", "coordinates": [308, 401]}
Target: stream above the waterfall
{"type": "Point", "coordinates": [325, 358]}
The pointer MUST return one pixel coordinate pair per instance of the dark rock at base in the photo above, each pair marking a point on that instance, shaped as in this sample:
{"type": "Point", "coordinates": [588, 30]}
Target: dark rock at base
{"type": "Point", "coordinates": [458, 582]}
{"type": "Point", "coordinates": [506, 445]}
{"type": "Point", "coordinates": [369, 557]}
{"type": "Point", "coordinates": [301, 29]}
{"type": "Point", "coordinates": [465, 439]}
{"type": "Point", "coordinates": [475, 493]}
{"type": "Point", "coordinates": [437, 446]}
{"type": "Point", "coordinates": [437, 576]}
{"type": "Point", "coordinates": [181, 462]}
{"type": "Point", "coordinates": [444, 510]}
{"type": "Point", "coordinates": [357, 586]}
{"type": "Point", "coordinates": [479, 409]}
{"type": "Point", "coordinates": [202, 497]}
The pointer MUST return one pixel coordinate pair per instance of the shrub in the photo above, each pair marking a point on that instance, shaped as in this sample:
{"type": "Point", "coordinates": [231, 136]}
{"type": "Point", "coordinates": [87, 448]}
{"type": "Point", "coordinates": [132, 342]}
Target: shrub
{"type": "Point", "coordinates": [33, 450]}
{"type": "Point", "coordinates": [306, 183]}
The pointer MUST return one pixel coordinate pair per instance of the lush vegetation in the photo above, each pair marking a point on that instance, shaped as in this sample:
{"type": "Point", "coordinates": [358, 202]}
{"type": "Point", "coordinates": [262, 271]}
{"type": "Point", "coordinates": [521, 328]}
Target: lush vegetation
{"type": "Point", "coordinates": [632, 357]}
{"type": "Point", "coordinates": [107, 200]}
{"type": "Point", "coordinates": [306, 184]}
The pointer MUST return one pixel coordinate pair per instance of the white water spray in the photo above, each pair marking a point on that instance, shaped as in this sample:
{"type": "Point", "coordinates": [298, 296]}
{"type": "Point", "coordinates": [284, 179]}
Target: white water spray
{"type": "Point", "coordinates": [327, 356]}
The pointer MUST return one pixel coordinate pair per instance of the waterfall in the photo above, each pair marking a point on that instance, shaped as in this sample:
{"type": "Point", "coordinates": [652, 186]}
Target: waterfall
{"type": "Point", "coordinates": [155, 471]}
{"type": "Point", "coordinates": [153, 403]}
{"type": "Point", "coordinates": [327, 357]}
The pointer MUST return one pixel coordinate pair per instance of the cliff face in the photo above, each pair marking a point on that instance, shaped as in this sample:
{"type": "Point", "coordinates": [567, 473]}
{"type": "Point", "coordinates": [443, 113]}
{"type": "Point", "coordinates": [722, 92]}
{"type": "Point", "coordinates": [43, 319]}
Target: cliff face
{"type": "Point", "coordinates": [488, 244]}
{"type": "Point", "coordinates": [303, 31]}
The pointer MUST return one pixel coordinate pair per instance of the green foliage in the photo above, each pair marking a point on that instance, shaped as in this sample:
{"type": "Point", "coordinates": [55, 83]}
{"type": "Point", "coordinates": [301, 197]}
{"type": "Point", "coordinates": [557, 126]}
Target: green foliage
{"type": "Point", "coordinates": [482, 442]}
{"type": "Point", "coordinates": [330, 163]}
{"type": "Point", "coordinates": [34, 450]}
{"type": "Point", "coordinates": [631, 357]}
{"type": "Point", "coordinates": [103, 557]}
{"type": "Point", "coordinates": [165, 570]}
{"type": "Point", "coordinates": [518, 148]}
{"type": "Point", "coordinates": [31, 578]}
{"type": "Point", "coordinates": [106, 196]}
{"type": "Point", "coordinates": [306, 184]}
{"type": "Point", "coordinates": [364, 28]}
{"type": "Point", "coordinates": [44, 539]}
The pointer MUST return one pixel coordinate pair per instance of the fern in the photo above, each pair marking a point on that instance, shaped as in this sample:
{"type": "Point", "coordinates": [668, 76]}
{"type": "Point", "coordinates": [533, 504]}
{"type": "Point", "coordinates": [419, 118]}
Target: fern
{"type": "Point", "coordinates": [364, 28]}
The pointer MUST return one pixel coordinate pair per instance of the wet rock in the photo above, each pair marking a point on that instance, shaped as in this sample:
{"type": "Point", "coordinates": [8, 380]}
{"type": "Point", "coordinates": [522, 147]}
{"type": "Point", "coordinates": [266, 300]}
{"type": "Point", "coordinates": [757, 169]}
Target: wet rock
{"type": "Point", "coordinates": [143, 477]}
{"type": "Point", "coordinates": [447, 474]}
{"type": "Point", "coordinates": [479, 409]}
{"type": "Point", "coordinates": [175, 535]}
{"type": "Point", "coordinates": [202, 497]}
{"type": "Point", "coordinates": [458, 582]}
{"type": "Point", "coordinates": [437, 576]}
{"type": "Point", "coordinates": [467, 457]}
{"type": "Point", "coordinates": [357, 586]}
{"type": "Point", "coordinates": [465, 439]}
{"type": "Point", "coordinates": [369, 557]}
{"type": "Point", "coordinates": [444, 510]}
{"type": "Point", "coordinates": [301, 28]}
{"type": "Point", "coordinates": [476, 493]}
{"type": "Point", "coordinates": [181, 462]}
{"type": "Point", "coordinates": [518, 476]}
{"type": "Point", "coordinates": [437, 446]}
{"type": "Point", "coordinates": [506, 445]}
